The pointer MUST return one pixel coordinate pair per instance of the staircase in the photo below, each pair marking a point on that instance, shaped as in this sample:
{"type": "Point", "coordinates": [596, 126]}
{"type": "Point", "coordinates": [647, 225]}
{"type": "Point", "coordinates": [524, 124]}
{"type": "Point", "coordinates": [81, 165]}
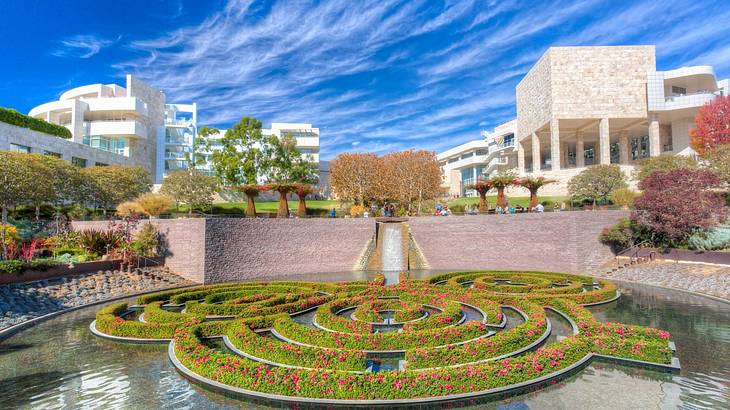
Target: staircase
{"type": "Point", "coordinates": [629, 257]}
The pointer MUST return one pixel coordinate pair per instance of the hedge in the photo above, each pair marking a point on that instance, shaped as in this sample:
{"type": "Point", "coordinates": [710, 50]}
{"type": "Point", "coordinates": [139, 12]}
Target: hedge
{"type": "Point", "coordinates": [10, 116]}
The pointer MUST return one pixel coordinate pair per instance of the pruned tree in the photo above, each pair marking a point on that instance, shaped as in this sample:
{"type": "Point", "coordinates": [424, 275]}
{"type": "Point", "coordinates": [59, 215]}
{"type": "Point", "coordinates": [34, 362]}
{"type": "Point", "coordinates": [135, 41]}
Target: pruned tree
{"type": "Point", "coordinates": [501, 182]}
{"type": "Point", "coordinates": [597, 182]}
{"type": "Point", "coordinates": [16, 179]}
{"type": "Point", "coordinates": [677, 203]}
{"type": "Point", "coordinates": [192, 188]}
{"type": "Point", "coordinates": [302, 190]}
{"type": "Point", "coordinates": [712, 125]}
{"type": "Point", "coordinates": [410, 177]}
{"type": "Point", "coordinates": [284, 189]}
{"type": "Point", "coordinates": [482, 187]}
{"type": "Point", "coordinates": [533, 184]}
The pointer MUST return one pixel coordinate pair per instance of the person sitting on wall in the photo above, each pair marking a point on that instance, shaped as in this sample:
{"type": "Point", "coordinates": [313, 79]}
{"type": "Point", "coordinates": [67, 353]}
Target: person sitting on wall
{"type": "Point", "coordinates": [539, 208]}
{"type": "Point", "coordinates": [519, 209]}
{"type": "Point", "coordinates": [498, 210]}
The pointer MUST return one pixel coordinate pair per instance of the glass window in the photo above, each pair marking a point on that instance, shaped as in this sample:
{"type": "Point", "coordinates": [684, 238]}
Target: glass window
{"type": "Point", "coordinates": [509, 140]}
{"type": "Point", "coordinates": [452, 160]}
{"type": "Point", "coordinates": [79, 162]}
{"type": "Point", "coordinates": [20, 148]}
{"type": "Point", "coordinates": [101, 164]}
{"type": "Point", "coordinates": [482, 152]}
{"type": "Point", "coordinates": [679, 90]}
{"type": "Point", "coordinates": [52, 154]}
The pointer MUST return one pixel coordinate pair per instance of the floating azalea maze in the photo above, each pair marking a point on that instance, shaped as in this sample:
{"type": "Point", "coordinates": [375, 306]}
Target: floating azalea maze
{"type": "Point", "coordinates": [452, 337]}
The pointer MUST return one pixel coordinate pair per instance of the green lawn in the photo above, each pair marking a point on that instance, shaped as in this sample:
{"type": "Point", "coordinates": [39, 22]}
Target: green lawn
{"type": "Point", "coordinates": [514, 201]}
{"type": "Point", "coordinates": [273, 206]}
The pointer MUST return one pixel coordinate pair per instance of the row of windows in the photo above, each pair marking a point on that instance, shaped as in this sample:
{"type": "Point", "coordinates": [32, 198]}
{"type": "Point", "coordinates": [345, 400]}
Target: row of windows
{"type": "Point", "coordinates": [111, 144]}
{"type": "Point", "coordinates": [79, 162]}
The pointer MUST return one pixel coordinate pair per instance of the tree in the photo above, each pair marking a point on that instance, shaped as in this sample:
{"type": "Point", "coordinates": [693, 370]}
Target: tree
{"type": "Point", "coordinates": [201, 143]}
{"type": "Point", "coordinates": [712, 125]}
{"type": "Point", "coordinates": [676, 203]}
{"type": "Point", "coordinates": [112, 185]}
{"type": "Point", "coordinates": [482, 187]}
{"type": "Point", "coordinates": [43, 190]}
{"type": "Point", "coordinates": [284, 189]}
{"type": "Point", "coordinates": [192, 188]}
{"type": "Point", "coordinates": [533, 184]}
{"type": "Point", "coordinates": [153, 204]}
{"type": "Point", "coordinates": [355, 177]}
{"type": "Point", "coordinates": [242, 161]}
{"type": "Point", "coordinates": [647, 166]}
{"type": "Point", "coordinates": [597, 182]}
{"type": "Point", "coordinates": [302, 190]}
{"type": "Point", "coordinates": [287, 169]}
{"type": "Point", "coordinates": [410, 177]}
{"type": "Point", "coordinates": [501, 181]}
{"type": "Point", "coordinates": [129, 208]}
{"type": "Point", "coordinates": [16, 179]}
{"type": "Point", "coordinates": [718, 160]}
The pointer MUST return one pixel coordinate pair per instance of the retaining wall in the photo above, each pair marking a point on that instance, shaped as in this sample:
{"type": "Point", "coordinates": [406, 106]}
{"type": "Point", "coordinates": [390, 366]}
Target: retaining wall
{"type": "Point", "coordinates": [553, 241]}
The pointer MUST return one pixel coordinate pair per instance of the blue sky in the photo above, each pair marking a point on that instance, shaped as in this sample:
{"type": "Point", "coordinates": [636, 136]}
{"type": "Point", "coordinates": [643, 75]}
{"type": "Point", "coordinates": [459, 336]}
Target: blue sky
{"type": "Point", "coordinates": [373, 75]}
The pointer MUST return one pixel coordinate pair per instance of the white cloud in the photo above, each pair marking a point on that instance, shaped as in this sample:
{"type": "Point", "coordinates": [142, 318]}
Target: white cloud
{"type": "Point", "coordinates": [83, 46]}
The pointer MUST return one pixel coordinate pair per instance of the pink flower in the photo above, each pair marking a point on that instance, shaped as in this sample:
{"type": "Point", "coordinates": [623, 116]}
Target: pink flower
{"type": "Point", "coordinates": [397, 384]}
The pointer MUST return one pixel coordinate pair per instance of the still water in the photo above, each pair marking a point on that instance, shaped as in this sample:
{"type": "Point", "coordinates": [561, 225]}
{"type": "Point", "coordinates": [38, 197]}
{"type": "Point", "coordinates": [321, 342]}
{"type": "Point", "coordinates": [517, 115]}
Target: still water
{"type": "Point", "coordinates": [59, 364]}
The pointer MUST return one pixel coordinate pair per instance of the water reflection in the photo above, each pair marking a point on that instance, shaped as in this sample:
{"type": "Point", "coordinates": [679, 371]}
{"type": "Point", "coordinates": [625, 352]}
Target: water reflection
{"type": "Point", "coordinates": [59, 364]}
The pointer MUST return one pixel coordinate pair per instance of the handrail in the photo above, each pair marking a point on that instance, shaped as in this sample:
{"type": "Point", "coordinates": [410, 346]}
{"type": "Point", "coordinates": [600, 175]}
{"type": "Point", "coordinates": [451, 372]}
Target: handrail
{"type": "Point", "coordinates": [635, 246]}
{"type": "Point", "coordinates": [147, 260]}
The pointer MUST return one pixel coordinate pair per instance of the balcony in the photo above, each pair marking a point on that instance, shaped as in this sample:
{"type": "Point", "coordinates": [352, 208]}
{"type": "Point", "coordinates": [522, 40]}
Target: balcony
{"type": "Point", "coordinates": [129, 128]}
{"type": "Point", "coordinates": [308, 142]}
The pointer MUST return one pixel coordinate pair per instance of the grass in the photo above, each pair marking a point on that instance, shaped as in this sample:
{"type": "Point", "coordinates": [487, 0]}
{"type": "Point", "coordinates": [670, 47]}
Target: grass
{"type": "Point", "coordinates": [513, 201]}
{"type": "Point", "coordinates": [272, 206]}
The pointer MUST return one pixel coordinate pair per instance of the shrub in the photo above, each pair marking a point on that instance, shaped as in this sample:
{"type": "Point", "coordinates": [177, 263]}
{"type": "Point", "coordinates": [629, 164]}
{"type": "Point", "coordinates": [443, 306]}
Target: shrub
{"type": "Point", "coordinates": [648, 166]}
{"type": "Point", "coordinates": [619, 236]}
{"type": "Point", "coordinates": [356, 210]}
{"type": "Point", "coordinates": [146, 242]}
{"type": "Point", "coordinates": [597, 182]}
{"type": "Point", "coordinates": [129, 208]}
{"type": "Point", "coordinates": [675, 204]}
{"type": "Point", "coordinates": [712, 240]}
{"type": "Point", "coordinates": [10, 116]}
{"type": "Point", "coordinates": [624, 197]}
{"type": "Point", "coordinates": [154, 205]}
{"type": "Point", "coordinates": [11, 266]}
{"type": "Point", "coordinates": [712, 125]}
{"type": "Point", "coordinates": [98, 242]}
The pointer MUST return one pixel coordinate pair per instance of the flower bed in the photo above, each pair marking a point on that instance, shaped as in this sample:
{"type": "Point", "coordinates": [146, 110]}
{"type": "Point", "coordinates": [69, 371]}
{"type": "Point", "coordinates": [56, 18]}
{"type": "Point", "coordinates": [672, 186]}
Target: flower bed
{"type": "Point", "coordinates": [443, 356]}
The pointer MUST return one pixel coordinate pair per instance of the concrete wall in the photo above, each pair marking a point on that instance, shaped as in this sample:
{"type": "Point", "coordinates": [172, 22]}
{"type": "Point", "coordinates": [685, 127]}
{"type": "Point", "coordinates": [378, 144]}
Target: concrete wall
{"type": "Point", "coordinates": [560, 241]}
{"type": "Point", "coordinates": [40, 143]}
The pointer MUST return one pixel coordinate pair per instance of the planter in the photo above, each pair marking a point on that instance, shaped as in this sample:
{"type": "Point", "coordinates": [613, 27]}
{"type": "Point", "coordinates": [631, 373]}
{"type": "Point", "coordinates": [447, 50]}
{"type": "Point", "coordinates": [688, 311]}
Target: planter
{"type": "Point", "coordinates": [58, 271]}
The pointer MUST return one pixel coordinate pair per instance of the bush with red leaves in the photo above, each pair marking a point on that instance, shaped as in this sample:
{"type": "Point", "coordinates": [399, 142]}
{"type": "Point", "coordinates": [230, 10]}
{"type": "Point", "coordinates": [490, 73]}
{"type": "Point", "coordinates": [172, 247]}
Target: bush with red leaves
{"type": "Point", "coordinates": [677, 203]}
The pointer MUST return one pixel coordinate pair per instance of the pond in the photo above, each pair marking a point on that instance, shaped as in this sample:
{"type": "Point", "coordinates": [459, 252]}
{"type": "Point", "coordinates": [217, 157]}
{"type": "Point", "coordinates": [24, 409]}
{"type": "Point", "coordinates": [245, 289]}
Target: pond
{"type": "Point", "coordinates": [60, 364]}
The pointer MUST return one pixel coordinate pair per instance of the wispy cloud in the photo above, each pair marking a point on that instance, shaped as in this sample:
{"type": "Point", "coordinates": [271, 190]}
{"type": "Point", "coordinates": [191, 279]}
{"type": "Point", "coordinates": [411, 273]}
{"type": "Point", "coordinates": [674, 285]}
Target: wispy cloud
{"type": "Point", "coordinates": [83, 46]}
{"type": "Point", "coordinates": [377, 75]}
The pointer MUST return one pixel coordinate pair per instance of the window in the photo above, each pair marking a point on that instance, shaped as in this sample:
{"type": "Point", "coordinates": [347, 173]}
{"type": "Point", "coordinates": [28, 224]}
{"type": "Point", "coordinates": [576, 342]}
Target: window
{"type": "Point", "coordinates": [101, 164]}
{"type": "Point", "coordinates": [639, 147]}
{"type": "Point", "coordinates": [52, 154]}
{"type": "Point", "coordinates": [111, 144]}
{"type": "Point", "coordinates": [679, 90]}
{"type": "Point", "coordinates": [452, 160]}
{"type": "Point", "coordinates": [79, 162]}
{"type": "Point", "coordinates": [509, 140]}
{"type": "Point", "coordinates": [20, 148]}
{"type": "Point", "coordinates": [482, 152]}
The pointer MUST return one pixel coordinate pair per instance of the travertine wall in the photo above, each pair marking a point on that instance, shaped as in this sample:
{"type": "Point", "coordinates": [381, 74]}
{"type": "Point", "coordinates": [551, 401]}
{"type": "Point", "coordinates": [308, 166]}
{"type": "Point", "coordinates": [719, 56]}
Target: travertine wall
{"type": "Point", "coordinates": [584, 83]}
{"type": "Point", "coordinates": [553, 241]}
{"type": "Point", "coordinates": [40, 142]}
{"type": "Point", "coordinates": [143, 151]}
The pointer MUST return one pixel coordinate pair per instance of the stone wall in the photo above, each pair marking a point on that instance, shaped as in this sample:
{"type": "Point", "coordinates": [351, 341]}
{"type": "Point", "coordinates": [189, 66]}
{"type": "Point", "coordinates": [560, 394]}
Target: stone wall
{"type": "Point", "coordinates": [559, 241]}
{"type": "Point", "coordinates": [534, 98]}
{"type": "Point", "coordinates": [41, 143]}
{"type": "Point", "coordinates": [247, 248]}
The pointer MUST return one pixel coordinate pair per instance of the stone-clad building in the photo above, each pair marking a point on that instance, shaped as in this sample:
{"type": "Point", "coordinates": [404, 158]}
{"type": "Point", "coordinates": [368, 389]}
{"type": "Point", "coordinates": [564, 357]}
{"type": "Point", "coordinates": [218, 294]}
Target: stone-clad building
{"type": "Point", "coordinates": [581, 106]}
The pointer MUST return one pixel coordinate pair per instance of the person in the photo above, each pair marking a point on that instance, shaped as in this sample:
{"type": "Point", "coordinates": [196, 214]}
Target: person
{"type": "Point", "coordinates": [498, 210]}
{"type": "Point", "coordinates": [556, 207]}
{"type": "Point", "coordinates": [511, 209]}
{"type": "Point", "coordinates": [333, 213]}
{"type": "Point", "coordinates": [366, 214]}
{"type": "Point", "coordinates": [519, 209]}
{"type": "Point", "coordinates": [539, 208]}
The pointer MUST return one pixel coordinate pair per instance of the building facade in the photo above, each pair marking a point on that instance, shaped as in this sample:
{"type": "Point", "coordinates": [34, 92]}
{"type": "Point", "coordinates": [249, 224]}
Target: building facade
{"type": "Point", "coordinates": [582, 106]}
{"type": "Point", "coordinates": [132, 121]}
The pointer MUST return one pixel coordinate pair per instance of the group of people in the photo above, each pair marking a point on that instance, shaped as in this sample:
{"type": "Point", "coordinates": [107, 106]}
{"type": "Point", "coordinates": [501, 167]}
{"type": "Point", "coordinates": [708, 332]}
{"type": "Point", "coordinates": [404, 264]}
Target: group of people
{"type": "Point", "coordinates": [442, 210]}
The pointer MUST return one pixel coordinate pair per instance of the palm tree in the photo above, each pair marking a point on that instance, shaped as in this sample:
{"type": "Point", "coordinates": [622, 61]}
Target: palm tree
{"type": "Point", "coordinates": [302, 190]}
{"type": "Point", "coordinates": [532, 184]}
{"type": "Point", "coordinates": [500, 182]}
{"type": "Point", "coordinates": [482, 186]}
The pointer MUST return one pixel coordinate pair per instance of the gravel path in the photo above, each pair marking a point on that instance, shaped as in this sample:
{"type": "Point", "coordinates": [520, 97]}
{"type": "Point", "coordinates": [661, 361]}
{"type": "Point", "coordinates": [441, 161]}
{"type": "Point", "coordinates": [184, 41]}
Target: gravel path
{"type": "Point", "coordinates": [25, 301]}
{"type": "Point", "coordinates": [707, 279]}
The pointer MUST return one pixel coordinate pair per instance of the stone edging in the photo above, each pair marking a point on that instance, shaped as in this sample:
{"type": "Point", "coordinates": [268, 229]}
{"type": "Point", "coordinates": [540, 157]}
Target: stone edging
{"type": "Point", "coordinates": [10, 331]}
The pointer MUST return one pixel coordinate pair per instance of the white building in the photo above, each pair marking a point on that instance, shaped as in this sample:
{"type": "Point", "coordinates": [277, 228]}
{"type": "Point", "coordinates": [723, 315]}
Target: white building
{"type": "Point", "coordinates": [581, 106]}
{"type": "Point", "coordinates": [131, 121]}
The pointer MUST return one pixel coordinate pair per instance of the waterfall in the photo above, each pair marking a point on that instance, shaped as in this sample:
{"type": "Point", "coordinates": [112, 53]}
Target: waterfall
{"type": "Point", "coordinates": [392, 255]}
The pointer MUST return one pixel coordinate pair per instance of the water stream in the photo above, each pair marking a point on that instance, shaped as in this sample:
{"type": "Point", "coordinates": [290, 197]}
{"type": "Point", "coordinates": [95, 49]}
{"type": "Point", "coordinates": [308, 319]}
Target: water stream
{"type": "Point", "coordinates": [392, 256]}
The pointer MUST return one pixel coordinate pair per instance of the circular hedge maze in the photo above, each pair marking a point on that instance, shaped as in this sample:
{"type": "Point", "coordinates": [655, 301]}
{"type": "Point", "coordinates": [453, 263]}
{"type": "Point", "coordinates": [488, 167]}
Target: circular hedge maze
{"type": "Point", "coordinates": [456, 336]}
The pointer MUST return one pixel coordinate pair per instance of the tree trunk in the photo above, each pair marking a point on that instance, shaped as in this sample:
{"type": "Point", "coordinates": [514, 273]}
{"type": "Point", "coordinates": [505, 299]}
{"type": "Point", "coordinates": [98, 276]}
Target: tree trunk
{"type": "Point", "coordinates": [190, 211]}
{"type": "Point", "coordinates": [302, 209]}
{"type": "Point", "coordinates": [37, 213]}
{"type": "Point", "coordinates": [501, 200]}
{"type": "Point", "coordinates": [483, 202]}
{"type": "Point", "coordinates": [533, 198]}
{"type": "Point", "coordinates": [250, 207]}
{"type": "Point", "coordinates": [283, 211]}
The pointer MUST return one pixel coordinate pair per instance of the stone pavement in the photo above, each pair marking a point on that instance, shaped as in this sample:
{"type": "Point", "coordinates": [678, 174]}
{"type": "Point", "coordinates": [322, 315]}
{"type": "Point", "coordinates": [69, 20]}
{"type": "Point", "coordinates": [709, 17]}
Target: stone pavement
{"type": "Point", "coordinates": [707, 279]}
{"type": "Point", "coordinates": [24, 301]}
